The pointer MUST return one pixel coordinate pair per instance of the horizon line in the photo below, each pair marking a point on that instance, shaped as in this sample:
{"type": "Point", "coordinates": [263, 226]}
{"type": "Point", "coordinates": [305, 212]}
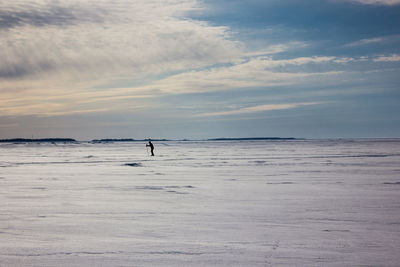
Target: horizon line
{"type": "Point", "coordinates": [105, 140]}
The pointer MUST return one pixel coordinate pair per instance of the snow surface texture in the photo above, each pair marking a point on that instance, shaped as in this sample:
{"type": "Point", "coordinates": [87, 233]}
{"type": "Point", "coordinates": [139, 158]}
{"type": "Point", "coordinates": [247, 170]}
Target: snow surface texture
{"type": "Point", "coordinates": [259, 203]}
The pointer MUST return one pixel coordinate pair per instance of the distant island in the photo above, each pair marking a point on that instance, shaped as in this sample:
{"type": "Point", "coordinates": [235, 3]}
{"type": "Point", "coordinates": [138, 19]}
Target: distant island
{"type": "Point", "coordinates": [252, 138]}
{"type": "Point", "coordinates": [47, 140]}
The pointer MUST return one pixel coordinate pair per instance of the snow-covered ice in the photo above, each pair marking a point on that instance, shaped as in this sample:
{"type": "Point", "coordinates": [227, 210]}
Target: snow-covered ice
{"type": "Point", "coordinates": [225, 203]}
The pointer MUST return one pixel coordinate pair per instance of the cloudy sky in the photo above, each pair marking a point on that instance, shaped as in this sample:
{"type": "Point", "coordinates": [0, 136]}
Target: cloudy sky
{"type": "Point", "coordinates": [90, 69]}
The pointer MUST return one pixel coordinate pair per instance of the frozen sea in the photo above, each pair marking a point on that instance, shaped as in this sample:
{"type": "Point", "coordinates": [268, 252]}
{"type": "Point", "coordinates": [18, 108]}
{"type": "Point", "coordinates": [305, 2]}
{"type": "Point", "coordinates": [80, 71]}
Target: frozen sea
{"type": "Point", "coordinates": [206, 203]}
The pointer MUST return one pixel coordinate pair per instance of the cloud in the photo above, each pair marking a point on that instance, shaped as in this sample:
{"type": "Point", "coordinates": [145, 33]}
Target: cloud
{"type": "Point", "coordinates": [258, 72]}
{"type": "Point", "coordinates": [391, 39]}
{"type": "Point", "coordinates": [365, 42]}
{"type": "Point", "coordinates": [58, 56]}
{"type": "Point", "coordinates": [254, 109]}
{"type": "Point", "coordinates": [39, 14]}
{"type": "Point", "coordinates": [376, 2]}
{"type": "Point", "coordinates": [391, 58]}
{"type": "Point", "coordinates": [84, 40]}
{"type": "Point", "coordinates": [270, 63]}
{"type": "Point", "coordinates": [276, 49]}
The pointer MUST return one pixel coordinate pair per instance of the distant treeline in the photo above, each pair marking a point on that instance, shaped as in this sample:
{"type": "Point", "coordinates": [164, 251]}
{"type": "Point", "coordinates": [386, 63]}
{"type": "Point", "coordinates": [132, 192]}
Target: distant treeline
{"type": "Point", "coordinates": [252, 139]}
{"type": "Point", "coordinates": [125, 140]}
{"type": "Point", "coordinates": [23, 140]}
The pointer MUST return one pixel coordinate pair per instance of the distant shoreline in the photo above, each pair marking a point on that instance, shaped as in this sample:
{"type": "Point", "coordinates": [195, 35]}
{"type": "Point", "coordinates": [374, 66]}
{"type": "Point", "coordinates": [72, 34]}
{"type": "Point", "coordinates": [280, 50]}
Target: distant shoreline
{"type": "Point", "coordinates": [43, 140]}
{"type": "Point", "coordinates": [252, 138]}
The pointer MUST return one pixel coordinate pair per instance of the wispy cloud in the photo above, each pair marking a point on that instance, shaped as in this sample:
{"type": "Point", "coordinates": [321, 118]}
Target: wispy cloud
{"type": "Point", "coordinates": [391, 58]}
{"type": "Point", "coordinates": [375, 40]}
{"type": "Point", "coordinates": [256, 72]}
{"type": "Point", "coordinates": [271, 63]}
{"type": "Point", "coordinates": [254, 109]}
{"type": "Point", "coordinates": [365, 42]}
{"type": "Point", "coordinates": [376, 2]}
{"type": "Point", "coordinates": [276, 49]}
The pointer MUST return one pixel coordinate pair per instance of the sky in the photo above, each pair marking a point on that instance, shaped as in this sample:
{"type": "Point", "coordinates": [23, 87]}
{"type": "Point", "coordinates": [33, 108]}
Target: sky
{"type": "Point", "coordinates": [199, 69]}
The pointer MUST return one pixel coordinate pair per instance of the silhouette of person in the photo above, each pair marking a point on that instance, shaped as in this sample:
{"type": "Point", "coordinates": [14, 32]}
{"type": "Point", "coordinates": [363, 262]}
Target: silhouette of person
{"type": "Point", "coordinates": [151, 147]}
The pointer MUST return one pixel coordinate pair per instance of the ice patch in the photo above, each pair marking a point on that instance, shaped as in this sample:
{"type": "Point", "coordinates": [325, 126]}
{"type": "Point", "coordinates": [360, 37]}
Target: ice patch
{"type": "Point", "coordinates": [168, 189]}
{"type": "Point", "coordinates": [258, 162]}
{"type": "Point", "coordinates": [149, 187]}
{"type": "Point", "coordinates": [134, 164]}
{"type": "Point", "coordinates": [176, 186]}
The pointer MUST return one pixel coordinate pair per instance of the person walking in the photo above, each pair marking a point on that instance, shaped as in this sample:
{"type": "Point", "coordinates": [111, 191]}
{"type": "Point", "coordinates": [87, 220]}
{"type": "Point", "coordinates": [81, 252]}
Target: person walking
{"type": "Point", "coordinates": [150, 144]}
